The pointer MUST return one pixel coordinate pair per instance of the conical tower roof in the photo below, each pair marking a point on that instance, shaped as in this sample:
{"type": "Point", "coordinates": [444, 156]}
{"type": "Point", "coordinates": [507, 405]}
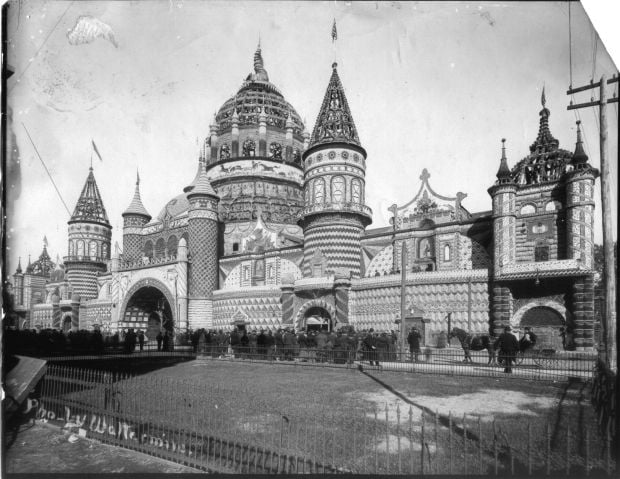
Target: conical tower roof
{"type": "Point", "coordinates": [192, 185]}
{"type": "Point", "coordinates": [503, 174]}
{"type": "Point", "coordinates": [334, 123]}
{"type": "Point", "coordinates": [19, 266]}
{"type": "Point", "coordinates": [579, 157]}
{"type": "Point", "coordinates": [203, 185]}
{"type": "Point", "coordinates": [89, 206]}
{"type": "Point", "coordinates": [136, 207]}
{"type": "Point", "coordinates": [545, 140]}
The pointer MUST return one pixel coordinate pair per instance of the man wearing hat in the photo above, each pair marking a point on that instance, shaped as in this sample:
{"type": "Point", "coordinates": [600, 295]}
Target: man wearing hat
{"type": "Point", "coordinates": [508, 347]}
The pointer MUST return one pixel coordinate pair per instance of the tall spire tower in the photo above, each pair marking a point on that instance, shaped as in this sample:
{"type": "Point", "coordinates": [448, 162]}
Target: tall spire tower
{"type": "Point", "coordinates": [134, 219]}
{"type": "Point", "coordinates": [90, 234]}
{"type": "Point", "coordinates": [334, 214]}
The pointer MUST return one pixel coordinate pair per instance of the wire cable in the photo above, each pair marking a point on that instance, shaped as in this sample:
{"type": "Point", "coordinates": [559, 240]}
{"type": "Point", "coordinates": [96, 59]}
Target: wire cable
{"type": "Point", "coordinates": [48, 171]}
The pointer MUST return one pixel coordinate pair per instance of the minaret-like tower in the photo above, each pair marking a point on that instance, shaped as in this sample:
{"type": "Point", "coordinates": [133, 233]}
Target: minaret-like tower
{"type": "Point", "coordinates": [18, 280]}
{"type": "Point", "coordinates": [580, 240]}
{"type": "Point", "coordinates": [90, 234]}
{"type": "Point", "coordinates": [134, 219]}
{"type": "Point", "coordinates": [203, 252]}
{"type": "Point", "coordinates": [503, 194]}
{"type": "Point", "coordinates": [334, 214]}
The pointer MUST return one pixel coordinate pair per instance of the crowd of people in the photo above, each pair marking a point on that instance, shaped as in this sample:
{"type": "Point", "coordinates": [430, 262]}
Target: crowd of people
{"type": "Point", "coordinates": [284, 344]}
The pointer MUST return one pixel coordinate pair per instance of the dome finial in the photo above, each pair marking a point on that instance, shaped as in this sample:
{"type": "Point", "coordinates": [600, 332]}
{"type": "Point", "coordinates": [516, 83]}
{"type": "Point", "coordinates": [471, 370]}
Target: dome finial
{"type": "Point", "coordinates": [543, 100]}
{"type": "Point", "coordinates": [580, 159]}
{"type": "Point", "coordinates": [503, 174]}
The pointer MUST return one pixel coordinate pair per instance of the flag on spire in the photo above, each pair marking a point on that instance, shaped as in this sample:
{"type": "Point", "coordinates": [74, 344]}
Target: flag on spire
{"type": "Point", "coordinates": [96, 150]}
{"type": "Point", "coordinates": [334, 32]}
{"type": "Point", "coordinates": [543, 100]}
{"type": "Point", "coordinates": [45, 241]}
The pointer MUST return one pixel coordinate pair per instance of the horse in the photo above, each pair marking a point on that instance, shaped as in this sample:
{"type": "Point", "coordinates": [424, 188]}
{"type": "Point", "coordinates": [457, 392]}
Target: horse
{"type": "Point", "coordinates": [474, 342]}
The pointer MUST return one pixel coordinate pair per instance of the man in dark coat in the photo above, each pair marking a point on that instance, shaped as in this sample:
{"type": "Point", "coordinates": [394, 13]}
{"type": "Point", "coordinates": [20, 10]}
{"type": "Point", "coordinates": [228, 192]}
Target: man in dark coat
{"type": "Point", "coordinates": [261, 343]}
{"type": "Point", "coordinates": [270, 342]}
{"type": "Point", "coordinates": [279, 344]}
{"type": "Point", "coordinates": [141, 339]}
{"type": "Point", "coordinates": [159, 338]}
{"type": "Point", "coordinates": [235, 341]}
{"type": "Point", "coordinates": [508, 346]}
{"type": "Point", "coordinates": [414, 343]}
{"type": "Point", "coordinates": [370, 347]}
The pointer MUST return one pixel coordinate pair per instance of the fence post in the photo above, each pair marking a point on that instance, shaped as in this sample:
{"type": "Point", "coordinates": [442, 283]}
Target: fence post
{"type": "Point", "coordinates": [422, 444]}
{"type": "Point", "coordinates": [375, 441]}
{"type": "Point", "coordinates": [400, 465]}
{"type": "Point", "coordinates": [529, 448]}
{"type": "Point", "coordinates": [387, 440]}
{"type": "Point", "coordinates": [495, 446]}
{"type": "Point", "coordinates": [465, 443]}
{"type": "Point", "coordinates": [567, 449]}
{"type": "Point", "coordinates": [480, 446]}
{"type": "Point", "coordinates": [450, 441]}
{"type": "Point", "coordinates": [436, 444]}
{"type": "Point", "coordinates": [411, 438]}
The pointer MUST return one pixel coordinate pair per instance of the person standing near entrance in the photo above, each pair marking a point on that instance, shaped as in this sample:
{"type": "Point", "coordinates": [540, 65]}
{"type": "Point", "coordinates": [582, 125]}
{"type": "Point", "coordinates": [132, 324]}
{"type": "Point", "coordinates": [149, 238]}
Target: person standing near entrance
{"type": "Point", "coordinates": [370, 346]}
{"type": "Point", "coordinates": [159, 338]}
{"type": "Point", "coordinates": [141, 339]}
{"type": "Point", "coordinates": [414, 343]}
{"type": "Point", "coordinates": [508, 347]}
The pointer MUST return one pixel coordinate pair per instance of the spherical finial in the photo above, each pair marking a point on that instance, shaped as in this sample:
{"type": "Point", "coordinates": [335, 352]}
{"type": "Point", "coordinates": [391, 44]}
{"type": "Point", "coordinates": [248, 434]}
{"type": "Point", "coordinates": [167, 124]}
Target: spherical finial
{"type": "Point", "coordinates": [334, 65]}
{"type": "Point", "coordinates": [503, 140]}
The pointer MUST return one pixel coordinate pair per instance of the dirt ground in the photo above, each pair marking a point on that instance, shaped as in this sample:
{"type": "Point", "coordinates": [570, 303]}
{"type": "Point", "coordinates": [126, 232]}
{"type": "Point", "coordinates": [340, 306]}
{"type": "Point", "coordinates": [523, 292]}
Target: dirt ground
{"type": "Point", "coordinates": [42, 449]}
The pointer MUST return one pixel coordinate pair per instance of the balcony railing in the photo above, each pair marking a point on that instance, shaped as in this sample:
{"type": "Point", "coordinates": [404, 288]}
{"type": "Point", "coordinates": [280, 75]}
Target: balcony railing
{"type": "Point", "coordinates": [98, 259]}
{"type": "Point", "coordinates": [147, 262]}
{"type": "Point", "coordinates": [337, 206]}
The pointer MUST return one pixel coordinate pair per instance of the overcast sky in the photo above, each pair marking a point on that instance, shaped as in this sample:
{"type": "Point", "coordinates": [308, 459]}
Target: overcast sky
{"type": "Point", "coordinates": [430, 85]}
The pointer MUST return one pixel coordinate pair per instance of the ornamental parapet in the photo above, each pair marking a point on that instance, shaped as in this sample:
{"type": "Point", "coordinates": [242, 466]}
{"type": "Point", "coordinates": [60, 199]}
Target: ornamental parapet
{"type": "Point", "coordinates": [247, 291]}
{"type": "Point", "coordinates": [339, 207]}
{"type": "Point", "coordinates": [147, 263]}
{"type": "Point", "coordinates": [84, 258]}
{"type": "Point", "coordinates": [324, 282]}
{"type": "Point", "coordinates": [544, 269]}
{"type": "Point", "coordinates": [424, 277]}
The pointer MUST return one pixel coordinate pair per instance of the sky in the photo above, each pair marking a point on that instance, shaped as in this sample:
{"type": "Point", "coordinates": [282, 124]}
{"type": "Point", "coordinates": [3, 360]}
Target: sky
{"type": "Point", "coordinates": [430, 85]}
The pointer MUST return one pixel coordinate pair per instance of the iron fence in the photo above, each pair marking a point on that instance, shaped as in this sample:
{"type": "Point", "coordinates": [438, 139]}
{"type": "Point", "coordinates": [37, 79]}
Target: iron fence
{"type": "Point", "coordinates": [604, 400]}
{"type": "Point", "coordinates": [215, 428]}
{"type": "Point", "coordinates": [546, 365]}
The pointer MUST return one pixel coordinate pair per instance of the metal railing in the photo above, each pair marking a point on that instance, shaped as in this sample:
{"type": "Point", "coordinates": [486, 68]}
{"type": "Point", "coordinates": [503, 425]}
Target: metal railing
{"type": "Point", "coordinates": [215, 428]}
{"type": "Point", "coordinates": [545, 365]}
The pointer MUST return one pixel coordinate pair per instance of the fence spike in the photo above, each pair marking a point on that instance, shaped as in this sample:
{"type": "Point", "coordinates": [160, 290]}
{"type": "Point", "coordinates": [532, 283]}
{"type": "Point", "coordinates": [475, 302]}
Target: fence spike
{"type": "Point", "coordinates": [479, 446]}
{"type": "Point", "coordinates": [529, 447]}
{"type": "Point", "coordinates": [422, 443]}
{"type": "Point", "coordinates": [387, 440]}
{"type": "Point", "coordinates": [411, 458]}
{"type": "Point", "coordinates": [400, 465]}
{"type": "Point", "coordinates": [450, 441]}
{"type": "Point", "coordinates": [465, 442]}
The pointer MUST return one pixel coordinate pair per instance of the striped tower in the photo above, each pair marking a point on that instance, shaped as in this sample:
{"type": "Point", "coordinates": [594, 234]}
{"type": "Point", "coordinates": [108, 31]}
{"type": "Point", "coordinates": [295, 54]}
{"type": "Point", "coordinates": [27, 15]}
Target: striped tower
{"type": "Point", "coordinates": [334, 214]}
{"type": "Point", "coordinates": [580, 241]}
{"type": "Point", "coordinates": [134, 219]}
{"type": "Point", "coordinates": [203, 252]}
{"type": "Point", "coordinates": [90, 234]}
{"type": "Point", "coordinates": [504, 241]}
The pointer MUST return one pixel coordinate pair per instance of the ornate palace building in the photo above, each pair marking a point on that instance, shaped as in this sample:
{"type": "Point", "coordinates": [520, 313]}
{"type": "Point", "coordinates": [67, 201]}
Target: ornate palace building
{"type": "Point", "coordinates": [273, 231]}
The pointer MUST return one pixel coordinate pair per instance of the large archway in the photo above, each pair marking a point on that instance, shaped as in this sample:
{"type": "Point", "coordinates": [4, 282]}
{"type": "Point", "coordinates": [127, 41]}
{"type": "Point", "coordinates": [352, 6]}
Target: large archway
{"type": "Point", "coordinates": [148, 309]}
{"type": "Point", "coordinates": [546, 323]}
{"type": "Point", "coordinates": [316, 312]}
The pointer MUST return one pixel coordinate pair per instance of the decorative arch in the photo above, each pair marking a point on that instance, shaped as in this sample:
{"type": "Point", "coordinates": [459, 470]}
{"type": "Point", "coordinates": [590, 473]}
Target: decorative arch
{"type": "Point", "coordinates": [528, 209]}
{"type": "Point", "coordinates": [338, 192]}
{"type": "Point", "coordinates": [153, 283]}
{"type": "Point", "coordinates": [148, 249]}
{"type": "Point", "coordinates": [321, 303]}
{"type": "Point", "coordinates": [172, 245]}
{"type": "Point", "coordinates": [160, 248]}
{"type": "Point", "coordinates": [356, 191]}
{"type": "Point", "coordinates": [319, 191]}
{"type": "Point", "coordinates": [515, 321]}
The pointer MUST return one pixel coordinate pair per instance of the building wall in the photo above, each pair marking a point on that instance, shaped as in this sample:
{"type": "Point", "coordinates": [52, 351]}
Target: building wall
{"type": "Point", "coordinates": [260, 306]}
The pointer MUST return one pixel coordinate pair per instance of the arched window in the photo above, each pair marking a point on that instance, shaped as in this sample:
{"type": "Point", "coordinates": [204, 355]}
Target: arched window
{"type": "Point", "coordinates": [148, 249]}
{"type": "Point", "coordinates": [541, 251]}
{"type": "Point", "coordinates": [270, 271]}
{"type": "Point", "coordinates": [425, 249]}
{"type": "Point", "coordinates": [172, 245]}
{"type": "Point", "coordinates": [307, 196]}
{"type": "Point", "coordinates": [356, 191]}
{"type": "Point", "coordinates": [447, 253]}
{"type": "Point", "coordinates": [104, 251]}
{"type": "Point", "coordinates": [224, 152]}
{"type": "Point", "coordinates": [338, 189]}
{"type": "Point", "coordinates": [319, 190]}
{"type": "Point", "coordinates": [160, 247]}
{"type": "Point", "coordinates": [92, 249]}
{"type": "Point", "coordinates": [249, 147]}
{"type": "Point", "coordinates": [80, 248]}
{"type": "Point", "coordinates": [528, 209]}
{"type": "Point", "coordinates": [552, 206]}
{"type": "Point", "coordinates": [71, 248]}
{"type": "Point", "coordinates": [275, 151]}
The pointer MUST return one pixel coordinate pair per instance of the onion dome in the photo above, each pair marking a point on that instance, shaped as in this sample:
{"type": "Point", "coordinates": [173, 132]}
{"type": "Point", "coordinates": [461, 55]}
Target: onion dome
{"type": "Point", "coordinates": [257, 96]}
{"type": "Point", "coordinates": [503, 174]}
{"type": "Point", "coordinates": [19, 266]}
{"type": "Point", "coordinates": [89, 206]}
{"type": "Point", "coordinates": [136, 207]}
{"type": "Point", "coordinates": [580, 159]}
{"type": "Point", "coordinates": [334, 123]}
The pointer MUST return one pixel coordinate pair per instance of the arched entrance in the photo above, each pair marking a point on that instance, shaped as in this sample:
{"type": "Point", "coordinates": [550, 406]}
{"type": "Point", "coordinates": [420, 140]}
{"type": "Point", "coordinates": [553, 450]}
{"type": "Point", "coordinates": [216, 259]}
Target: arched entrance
{"type": "Point", "coordinates": [66, 324]}
{"type": "Point", "coordinates": [316, 314]}
{"type": "Point", "coordinates": [148, 309]}
{"type": "Point", "coordinates": [318, 318]}
{"type": "Point", "coordinates": [546, 323]}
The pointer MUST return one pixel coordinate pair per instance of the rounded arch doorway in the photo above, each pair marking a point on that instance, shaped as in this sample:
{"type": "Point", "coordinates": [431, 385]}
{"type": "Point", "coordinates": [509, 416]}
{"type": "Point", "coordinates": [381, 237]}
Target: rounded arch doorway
{"type": "Point", "coordinates": [545, 322]}
{"type": "Point", "coordinates": [148, 309]}
{"type": "Point", "coordinates": [318, 318]}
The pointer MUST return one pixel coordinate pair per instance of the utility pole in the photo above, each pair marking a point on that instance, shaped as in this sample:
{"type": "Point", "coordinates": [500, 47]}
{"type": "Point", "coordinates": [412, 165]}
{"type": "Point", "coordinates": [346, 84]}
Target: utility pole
{"type": "Point", "coordinates": [403, 294]}
{"type": "Point", "coordinates": [609, 278]}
